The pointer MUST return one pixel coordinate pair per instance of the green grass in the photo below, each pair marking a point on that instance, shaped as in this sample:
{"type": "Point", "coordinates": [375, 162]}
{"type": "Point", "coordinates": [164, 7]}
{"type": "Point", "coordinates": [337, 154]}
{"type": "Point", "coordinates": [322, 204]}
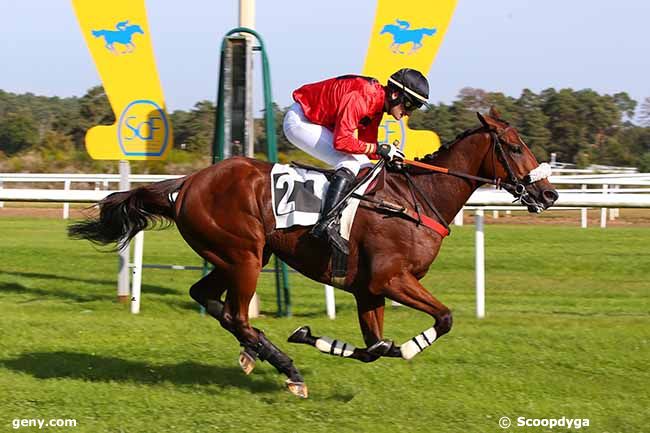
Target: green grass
{"type": "Point", "coordinates": [566, 334]}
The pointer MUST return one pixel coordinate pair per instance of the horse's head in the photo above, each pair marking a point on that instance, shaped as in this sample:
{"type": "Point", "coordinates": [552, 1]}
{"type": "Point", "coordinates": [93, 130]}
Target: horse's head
{"type": "Point", "coordinates": [390, 28]}
{"type": "Point", "coordinates": [512, 162]}
{"type": "Point", "coordinates": [134, 29]}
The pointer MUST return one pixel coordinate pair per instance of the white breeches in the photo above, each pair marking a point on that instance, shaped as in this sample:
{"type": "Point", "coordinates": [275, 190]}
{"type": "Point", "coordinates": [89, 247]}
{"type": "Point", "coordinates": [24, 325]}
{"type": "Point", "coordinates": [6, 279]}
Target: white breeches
{"type": "Point", "coordinates": [318, 141]}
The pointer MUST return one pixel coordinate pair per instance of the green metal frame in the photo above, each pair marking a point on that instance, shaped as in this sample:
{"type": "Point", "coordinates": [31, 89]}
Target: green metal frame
{"type": "Point", "coordinates": [283, 295]}
{"type": "Point", "coordinates": [219, 137]}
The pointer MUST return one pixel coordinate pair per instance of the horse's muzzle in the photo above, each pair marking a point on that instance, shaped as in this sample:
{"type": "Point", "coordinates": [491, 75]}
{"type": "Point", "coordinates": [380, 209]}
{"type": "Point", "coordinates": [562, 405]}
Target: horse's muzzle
{"type": "Point", "coordinates": [540, 200]}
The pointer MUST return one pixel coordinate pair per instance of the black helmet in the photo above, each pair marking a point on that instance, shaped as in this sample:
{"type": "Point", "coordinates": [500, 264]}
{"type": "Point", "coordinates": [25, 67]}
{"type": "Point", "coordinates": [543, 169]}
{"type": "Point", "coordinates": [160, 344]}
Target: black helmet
{"type": "Point", "coordinates": [412, 86]}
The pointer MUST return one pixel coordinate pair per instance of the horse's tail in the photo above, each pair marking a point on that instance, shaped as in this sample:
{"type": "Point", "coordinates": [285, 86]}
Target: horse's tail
{"type": "Point", "coordinates": [98, 33]}
{"type": "Point", "coordinates": [429, 32]}
{"type": "Point", "coordinates": [123, 214]}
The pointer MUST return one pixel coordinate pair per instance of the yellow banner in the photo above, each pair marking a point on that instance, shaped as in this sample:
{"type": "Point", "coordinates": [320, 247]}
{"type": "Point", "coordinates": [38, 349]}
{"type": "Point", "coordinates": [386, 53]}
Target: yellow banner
{"type": "Point", "coordinates": [118, 37]}
{"type": "Point", "coordinates": [407, 35]}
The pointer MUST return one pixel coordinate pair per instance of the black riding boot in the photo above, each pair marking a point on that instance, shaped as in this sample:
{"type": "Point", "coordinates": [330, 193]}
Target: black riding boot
{"type": "Point", "coordinates": [327, 226]}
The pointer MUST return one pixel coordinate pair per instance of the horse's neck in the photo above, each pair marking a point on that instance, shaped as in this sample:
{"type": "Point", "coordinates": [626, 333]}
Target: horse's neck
{"type": "Point", "coordinates": [449, 193]}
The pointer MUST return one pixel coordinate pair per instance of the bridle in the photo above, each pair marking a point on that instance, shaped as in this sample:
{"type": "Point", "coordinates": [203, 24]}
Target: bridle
{"type": "Point", "coordinates": [515, 186]}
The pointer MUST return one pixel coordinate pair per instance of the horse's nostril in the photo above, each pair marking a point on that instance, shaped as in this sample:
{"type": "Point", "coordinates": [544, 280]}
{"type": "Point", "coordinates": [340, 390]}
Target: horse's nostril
{"type": "Point", "coordinates": [550, 195]}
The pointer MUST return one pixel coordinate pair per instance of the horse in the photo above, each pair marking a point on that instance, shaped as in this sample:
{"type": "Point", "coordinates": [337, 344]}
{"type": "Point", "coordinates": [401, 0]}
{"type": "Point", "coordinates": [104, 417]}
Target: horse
{"type": "Point", "coordinates": [403, 35]}
{"type": "Point", "coordinates": [224, 212]}
{"type": "Point", "coordinates": [122, 35]}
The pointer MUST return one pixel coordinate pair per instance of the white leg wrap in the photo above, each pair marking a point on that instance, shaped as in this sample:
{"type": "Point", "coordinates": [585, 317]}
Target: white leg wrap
{"type": "Point", "coordinates": [334, 347]}
{"type": "Point", "coordinates": [418, 343]}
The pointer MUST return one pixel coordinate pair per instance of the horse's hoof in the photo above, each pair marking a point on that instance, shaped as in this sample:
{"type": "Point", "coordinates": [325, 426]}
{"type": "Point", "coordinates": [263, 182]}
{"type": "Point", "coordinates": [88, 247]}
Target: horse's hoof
{"type": "Point", "coordinates": [301, 335]}
{"type": "Point", "coordinates": [246, 362]}
{"type": "Point", "coordinates": [299, 389]}
{"type": "Point", "coordinates": [380, 348]}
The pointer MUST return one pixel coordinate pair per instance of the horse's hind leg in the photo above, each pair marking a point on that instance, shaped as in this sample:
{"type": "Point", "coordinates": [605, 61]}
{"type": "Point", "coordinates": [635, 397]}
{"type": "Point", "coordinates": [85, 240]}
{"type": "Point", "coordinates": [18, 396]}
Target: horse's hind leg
{"type": "Point", "coordinates": [243, 279]}
{"type": "Point", "coordinates": [207, 292]}
{"type": "Point", "coordinates": [233, 316]}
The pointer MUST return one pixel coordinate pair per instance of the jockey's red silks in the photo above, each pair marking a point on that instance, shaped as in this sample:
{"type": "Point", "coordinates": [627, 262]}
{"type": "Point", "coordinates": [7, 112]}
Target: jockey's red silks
{"type": "Point", "coordinates": [343, 105]}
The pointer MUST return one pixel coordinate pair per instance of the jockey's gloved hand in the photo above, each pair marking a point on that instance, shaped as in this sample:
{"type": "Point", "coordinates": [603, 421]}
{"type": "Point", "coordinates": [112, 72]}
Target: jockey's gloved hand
{"type": "Point", "coordinates": [390, 153]}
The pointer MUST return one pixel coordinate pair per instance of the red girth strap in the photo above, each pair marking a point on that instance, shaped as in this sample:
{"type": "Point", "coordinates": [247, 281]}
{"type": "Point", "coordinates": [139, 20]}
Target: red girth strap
{"type": "Point", "coordinates": [429, 222]}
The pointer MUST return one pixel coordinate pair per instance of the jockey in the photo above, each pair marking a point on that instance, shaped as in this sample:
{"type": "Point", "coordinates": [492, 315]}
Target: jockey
{"type": "Point", "coordinates": [325, 116]}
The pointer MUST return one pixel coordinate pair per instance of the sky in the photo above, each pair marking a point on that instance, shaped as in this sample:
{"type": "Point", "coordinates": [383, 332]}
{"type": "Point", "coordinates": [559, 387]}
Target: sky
{"type": "Point", "coordinates": [498, 45]}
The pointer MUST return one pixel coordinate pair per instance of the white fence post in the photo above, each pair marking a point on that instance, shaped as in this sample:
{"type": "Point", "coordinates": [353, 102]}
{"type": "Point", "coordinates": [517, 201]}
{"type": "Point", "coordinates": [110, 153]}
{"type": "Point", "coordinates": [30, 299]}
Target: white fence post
{"type": "Point", "coordinates": [458, 219]}
{"type": "Point", "coordinates": [2, 204]}
{"type": "Point", "coordinates": [66, 206]}
{"type": "Point", "coordinates": [124, 255]}
{"type": "Point", "coordinates": [136, 282]}
{"type": "Point", "coordinates": [613, 212]}
{"type": "Point", "coordinates": [583, 211]}
{"type": "Point", "coordinates": [330, 302]}
{"type": "Point", "coordinates": [603, 210]}
{"type": "Point", "coordinates": [480, 265]}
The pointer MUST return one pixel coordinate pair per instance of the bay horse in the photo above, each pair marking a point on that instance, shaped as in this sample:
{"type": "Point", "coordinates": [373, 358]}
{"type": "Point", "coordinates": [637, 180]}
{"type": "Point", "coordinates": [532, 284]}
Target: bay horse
{"type": "Point", "coordinates": [224, 213]}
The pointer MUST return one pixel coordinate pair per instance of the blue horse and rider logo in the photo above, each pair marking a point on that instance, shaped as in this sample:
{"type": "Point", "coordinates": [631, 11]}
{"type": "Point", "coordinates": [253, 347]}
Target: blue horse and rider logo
{"type": "Point", "coordinates": [404, 34]}
{"type": "Point", "coordinates": [122, 35]}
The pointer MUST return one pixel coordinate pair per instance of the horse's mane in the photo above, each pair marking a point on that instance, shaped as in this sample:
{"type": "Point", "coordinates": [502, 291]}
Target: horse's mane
{"type": "Point", "coordinates": [444, 148]}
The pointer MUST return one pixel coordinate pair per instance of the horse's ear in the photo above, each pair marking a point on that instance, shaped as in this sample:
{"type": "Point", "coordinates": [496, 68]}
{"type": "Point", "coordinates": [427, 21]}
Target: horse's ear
{"type": "Point", "coordinates": [494, 113]}
{"type": "Point", "coordinates": [482, 120]}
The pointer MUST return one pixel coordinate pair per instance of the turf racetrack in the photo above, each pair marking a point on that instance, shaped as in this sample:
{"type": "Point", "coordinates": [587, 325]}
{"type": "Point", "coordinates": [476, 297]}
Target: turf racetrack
{"type": "Point", "coordinates": [566, 334]}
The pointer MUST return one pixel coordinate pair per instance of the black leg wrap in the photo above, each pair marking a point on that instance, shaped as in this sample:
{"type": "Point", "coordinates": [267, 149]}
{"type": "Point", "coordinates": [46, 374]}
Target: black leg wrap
{"type": "Point", "coordinates": [364, 356]}
{"type": "Point", "coordinates": [215, 308]}
{"type": "Point", "coordinates": [267, 351]}
{"type": "Point", "coordinates": [302, 335]}
{"type": "Point", "coordinates": [384, 348]}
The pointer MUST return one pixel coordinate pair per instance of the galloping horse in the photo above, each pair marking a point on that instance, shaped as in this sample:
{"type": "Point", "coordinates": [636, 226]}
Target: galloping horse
{"type": "Point", "coordinates": [122, 35]}
{"type": "Point", "coordinates": [224, 213]}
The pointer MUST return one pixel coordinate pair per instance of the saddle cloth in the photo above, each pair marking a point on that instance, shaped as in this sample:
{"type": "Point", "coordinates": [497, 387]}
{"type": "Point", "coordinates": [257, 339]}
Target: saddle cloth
{"type": "Point", "coordinates": [297, 198]}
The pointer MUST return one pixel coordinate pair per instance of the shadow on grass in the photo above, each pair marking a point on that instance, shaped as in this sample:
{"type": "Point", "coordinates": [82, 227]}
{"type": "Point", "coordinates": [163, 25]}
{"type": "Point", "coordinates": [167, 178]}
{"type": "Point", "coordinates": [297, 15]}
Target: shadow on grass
{"type": "Point", "coordinates": [19, 288]}
{"type": "Point", "coordinates": [97, 368]}
{"type": "Point", "coordinates": [53, 293]}
{"type": "Point", "coordinates": [60, 277]}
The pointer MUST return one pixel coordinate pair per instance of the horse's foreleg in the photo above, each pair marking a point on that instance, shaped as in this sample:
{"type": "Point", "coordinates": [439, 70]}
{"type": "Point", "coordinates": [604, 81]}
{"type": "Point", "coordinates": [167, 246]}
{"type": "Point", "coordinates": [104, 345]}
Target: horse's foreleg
{"type": "Point", "coordinates": [327, 345]}
{"type": "Point", "coordinates": [371, 319]}
{"type": "Point", "coordinates": [370, 309]}
{"type": "Point", "coordinates": [407, 290]}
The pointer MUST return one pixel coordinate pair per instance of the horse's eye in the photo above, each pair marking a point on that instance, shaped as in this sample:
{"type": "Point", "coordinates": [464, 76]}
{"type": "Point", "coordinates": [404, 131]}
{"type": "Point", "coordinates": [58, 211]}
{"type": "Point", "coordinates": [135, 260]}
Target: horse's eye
{"type": "Point", "coordinates": [515, 148]}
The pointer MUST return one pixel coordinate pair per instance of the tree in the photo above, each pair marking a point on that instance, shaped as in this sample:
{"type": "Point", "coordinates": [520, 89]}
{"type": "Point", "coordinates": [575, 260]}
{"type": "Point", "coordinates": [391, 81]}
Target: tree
{"type": "Point", "coordinates": [94, 109]}
{"type": "Point", "coordinates": [436, 118]}
{"type": "Point", "coordinates": [644, 115]}
{"type": "Point", "coordinates": [18, 132]}
{"type": "Point", "coordinates": [625, 104]}
{"type": "Point", "coordinates": [200, 127]}
{"type": "Point", "coordinates": [533, 124]}
{"type": "Point", "coordinates": [567, 135]}
{"type": "Point", "coordinates": [644, 163]}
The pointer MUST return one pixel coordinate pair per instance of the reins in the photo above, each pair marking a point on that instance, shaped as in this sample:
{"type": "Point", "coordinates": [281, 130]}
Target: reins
{"type": "Point", "coordinates": [426, 166]}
